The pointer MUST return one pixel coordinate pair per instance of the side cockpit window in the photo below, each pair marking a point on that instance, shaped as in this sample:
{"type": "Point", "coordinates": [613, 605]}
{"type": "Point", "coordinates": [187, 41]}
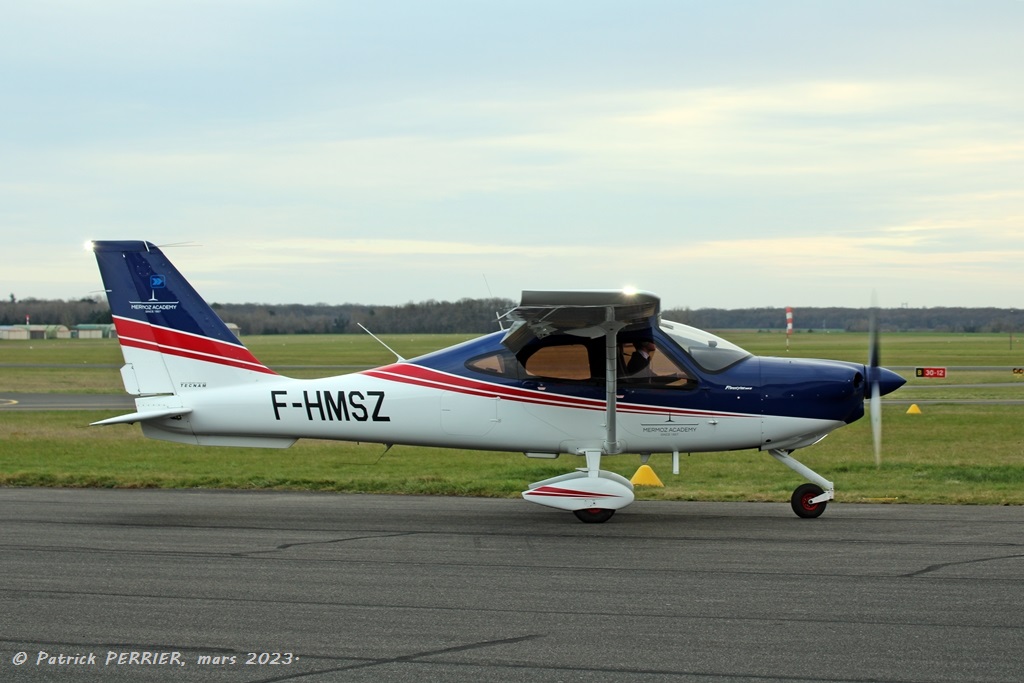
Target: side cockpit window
{"type": "Point", "coordinates": [641, 362]}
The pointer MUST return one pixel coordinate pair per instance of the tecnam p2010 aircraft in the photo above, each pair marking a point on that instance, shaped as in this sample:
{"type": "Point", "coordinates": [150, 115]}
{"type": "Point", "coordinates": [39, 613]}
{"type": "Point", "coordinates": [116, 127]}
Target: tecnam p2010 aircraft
{"type": "Point", "coordinates": [588, 373]}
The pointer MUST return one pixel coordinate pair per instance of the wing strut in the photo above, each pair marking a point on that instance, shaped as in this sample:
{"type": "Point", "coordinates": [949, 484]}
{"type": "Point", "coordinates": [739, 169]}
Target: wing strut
{"type": "Point", "coordinates": [589, 314]}
{"type": "Point", "coordinates": [591, 493]}
{"type": "Point", "coordinates": [611, 344]}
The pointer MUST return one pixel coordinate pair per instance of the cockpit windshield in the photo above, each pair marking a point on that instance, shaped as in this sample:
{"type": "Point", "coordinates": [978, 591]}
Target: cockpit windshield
{"type": "Point", "coordinates": [710, 352]}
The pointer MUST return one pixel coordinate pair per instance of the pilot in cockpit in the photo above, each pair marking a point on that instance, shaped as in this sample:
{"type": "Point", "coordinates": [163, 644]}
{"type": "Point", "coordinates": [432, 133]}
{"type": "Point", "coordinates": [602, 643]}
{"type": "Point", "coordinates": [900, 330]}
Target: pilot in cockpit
{"type": "Point", "coordinates": [640, 359]}
{"type": "Point", "coordinates": [643, 367]}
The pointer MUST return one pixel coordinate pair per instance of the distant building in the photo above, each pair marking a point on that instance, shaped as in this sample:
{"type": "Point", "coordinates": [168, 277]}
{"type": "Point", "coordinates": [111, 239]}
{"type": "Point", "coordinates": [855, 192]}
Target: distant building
{"type": "Point", "coordinates": [83, 331]}
{"type": "Point", "coordinates": [13, 332]}
{"type": "Point", "coordinates": [34, 332]}
{"type": "Point", "coordinates": [93, 331]}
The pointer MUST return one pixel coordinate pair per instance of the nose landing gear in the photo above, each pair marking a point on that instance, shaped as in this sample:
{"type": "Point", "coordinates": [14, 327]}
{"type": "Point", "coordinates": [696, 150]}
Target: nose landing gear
{"type": "Point", "coordinates": [802, 501]}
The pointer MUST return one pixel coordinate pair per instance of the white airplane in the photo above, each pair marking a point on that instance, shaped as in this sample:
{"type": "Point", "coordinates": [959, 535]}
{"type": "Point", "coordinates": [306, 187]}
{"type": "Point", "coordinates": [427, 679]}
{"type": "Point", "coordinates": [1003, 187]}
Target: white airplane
{"type": "Point", "coordinates": [583, 373]}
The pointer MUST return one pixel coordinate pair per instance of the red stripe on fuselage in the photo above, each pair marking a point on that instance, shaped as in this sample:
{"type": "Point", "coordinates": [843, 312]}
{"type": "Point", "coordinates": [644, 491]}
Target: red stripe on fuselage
{"type": "Point", "coordinates": [185, 345]}
{"type": "Point", "coordinates": [409, 373]}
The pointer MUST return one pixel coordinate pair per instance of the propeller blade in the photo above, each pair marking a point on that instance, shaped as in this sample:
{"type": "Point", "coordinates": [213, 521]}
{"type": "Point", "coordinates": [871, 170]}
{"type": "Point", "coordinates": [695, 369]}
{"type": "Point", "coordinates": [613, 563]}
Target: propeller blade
{"type": "Point", "coordinates": [875, 352]}
{"type": "Point", "coordinates": [876, 422]}
{"type": "Point", "coordinates": [875, 405]}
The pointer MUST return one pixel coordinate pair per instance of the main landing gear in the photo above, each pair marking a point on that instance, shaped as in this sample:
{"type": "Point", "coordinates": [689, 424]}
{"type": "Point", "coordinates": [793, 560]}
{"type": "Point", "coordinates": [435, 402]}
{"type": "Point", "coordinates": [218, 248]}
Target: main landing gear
{"type": "Point", "coordinates": [594, 515]}
{"type": "Point", "coordinates": [808, 500]}
{"type": "Point", "coordinates": [592, 494]}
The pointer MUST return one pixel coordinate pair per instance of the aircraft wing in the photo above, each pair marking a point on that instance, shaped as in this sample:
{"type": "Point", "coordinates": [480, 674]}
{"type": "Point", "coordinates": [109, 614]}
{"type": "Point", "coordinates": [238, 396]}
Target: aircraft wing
{"type": "Point", "coordinates": [585, 313]}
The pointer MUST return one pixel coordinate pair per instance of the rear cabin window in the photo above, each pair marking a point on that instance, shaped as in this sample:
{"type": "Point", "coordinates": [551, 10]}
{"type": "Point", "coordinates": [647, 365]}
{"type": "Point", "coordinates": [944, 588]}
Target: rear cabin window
{"type": "Point", "coordinates": [503, 364]}
{"type": "Point", "coordinates": [564, 361]}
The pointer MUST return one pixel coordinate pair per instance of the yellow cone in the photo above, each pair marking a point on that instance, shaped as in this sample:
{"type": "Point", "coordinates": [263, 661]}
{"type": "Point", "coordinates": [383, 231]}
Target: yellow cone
{"type": "Point", "coordinates": [913, 409]}
{"type": "Point", "coordinates": [645, 476]}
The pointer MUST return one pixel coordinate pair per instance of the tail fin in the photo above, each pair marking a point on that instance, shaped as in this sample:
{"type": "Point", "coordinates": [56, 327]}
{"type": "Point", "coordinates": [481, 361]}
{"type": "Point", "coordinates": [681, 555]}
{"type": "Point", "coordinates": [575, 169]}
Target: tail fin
{"type": "Point", "coordinates": [172, 341]}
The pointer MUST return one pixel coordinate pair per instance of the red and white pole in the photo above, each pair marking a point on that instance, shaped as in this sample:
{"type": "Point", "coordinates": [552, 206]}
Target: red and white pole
{"type": "Point", "coordinates": [789, 325]}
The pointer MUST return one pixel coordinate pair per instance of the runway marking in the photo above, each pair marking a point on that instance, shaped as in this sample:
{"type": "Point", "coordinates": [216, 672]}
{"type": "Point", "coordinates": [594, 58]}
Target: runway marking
{"type": "Point", "coordinates": [7, 402]}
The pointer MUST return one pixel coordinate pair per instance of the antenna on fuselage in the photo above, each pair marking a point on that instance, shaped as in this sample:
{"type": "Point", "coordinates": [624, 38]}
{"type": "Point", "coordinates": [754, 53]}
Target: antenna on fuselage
{"type": "Point", "coordinates": [397, 355]}
{"type": "Point", "coordinates": [498, 316]}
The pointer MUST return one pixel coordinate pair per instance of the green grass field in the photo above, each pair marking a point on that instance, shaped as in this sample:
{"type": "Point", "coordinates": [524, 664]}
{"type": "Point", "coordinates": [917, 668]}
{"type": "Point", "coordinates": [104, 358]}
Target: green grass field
{"type": "Point", "coordinates": [951, 453]}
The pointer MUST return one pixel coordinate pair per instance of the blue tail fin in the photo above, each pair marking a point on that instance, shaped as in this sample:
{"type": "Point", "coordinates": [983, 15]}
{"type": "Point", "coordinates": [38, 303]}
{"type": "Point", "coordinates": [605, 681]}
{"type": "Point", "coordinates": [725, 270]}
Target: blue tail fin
{"type": "Point", "coordinates": [171, 339]}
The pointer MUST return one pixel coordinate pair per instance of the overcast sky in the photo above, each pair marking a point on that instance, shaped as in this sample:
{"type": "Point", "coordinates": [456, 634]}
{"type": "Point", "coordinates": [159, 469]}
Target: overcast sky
{"type": "Point", "coordinates": [720, 154]}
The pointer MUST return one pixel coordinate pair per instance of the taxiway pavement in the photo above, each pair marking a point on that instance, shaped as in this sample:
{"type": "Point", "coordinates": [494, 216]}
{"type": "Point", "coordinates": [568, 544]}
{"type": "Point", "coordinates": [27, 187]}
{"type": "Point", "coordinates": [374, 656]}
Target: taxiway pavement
{"type": "Point", "coordinates": [370, 588]}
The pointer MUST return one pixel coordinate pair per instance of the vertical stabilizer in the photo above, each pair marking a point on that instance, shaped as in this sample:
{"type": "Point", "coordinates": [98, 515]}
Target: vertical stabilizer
{"type": "Point", "coordinates": [172, 341]}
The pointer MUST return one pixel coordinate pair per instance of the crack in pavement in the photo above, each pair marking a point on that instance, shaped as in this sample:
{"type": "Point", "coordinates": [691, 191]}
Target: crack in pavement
{"type": "Point", "coordinates": [288, 546]}
{"type": "Point", "coordinates": [943, 565]}
{"type": "Point", "coordinates": [405, 658]}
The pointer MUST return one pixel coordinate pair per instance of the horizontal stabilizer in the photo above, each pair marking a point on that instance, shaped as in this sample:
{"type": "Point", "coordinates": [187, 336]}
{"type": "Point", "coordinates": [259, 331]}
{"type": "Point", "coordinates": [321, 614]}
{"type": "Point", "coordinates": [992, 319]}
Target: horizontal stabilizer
{"type": "Point", "coordinates": [143, 416]}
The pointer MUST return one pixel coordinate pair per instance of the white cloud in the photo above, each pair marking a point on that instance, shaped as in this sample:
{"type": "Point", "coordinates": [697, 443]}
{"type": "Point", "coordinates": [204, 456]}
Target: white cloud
{"type": "Point", "coordinates": [819, 134]}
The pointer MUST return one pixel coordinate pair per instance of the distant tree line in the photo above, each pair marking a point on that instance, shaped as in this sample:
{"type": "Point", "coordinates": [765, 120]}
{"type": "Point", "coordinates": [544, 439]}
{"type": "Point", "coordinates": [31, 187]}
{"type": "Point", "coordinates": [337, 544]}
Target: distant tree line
{"type": "Point", "coordinates": [426, 317]}
{"type": "Point", "coordinates": [463, 316]}
{"type": "Point", "coordinates": [941, 319]}
{"type": "Point", "coordinates": [479, 316]}
{"type": "Point", "coordinates": [54, 312]}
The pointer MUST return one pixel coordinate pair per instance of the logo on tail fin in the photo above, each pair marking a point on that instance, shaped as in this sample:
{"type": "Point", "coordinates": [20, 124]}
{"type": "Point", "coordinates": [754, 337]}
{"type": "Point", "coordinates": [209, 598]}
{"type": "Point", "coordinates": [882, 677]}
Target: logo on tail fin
{"type": "Point", "coordinates": [157, 282]}
{"type": "Point", "coordinates": [154, 305]}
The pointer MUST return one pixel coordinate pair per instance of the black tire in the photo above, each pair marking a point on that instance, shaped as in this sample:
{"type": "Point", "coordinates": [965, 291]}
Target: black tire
{"type": "Point", "coordinates": [594, 515]}
{"type": "Point", "coordinates": [801, 501]}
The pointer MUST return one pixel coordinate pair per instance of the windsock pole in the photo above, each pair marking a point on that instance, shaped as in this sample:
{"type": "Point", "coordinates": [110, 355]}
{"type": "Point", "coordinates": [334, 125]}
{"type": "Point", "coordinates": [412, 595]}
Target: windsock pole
{"type": "Point", "coordinates": [789, 325]}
